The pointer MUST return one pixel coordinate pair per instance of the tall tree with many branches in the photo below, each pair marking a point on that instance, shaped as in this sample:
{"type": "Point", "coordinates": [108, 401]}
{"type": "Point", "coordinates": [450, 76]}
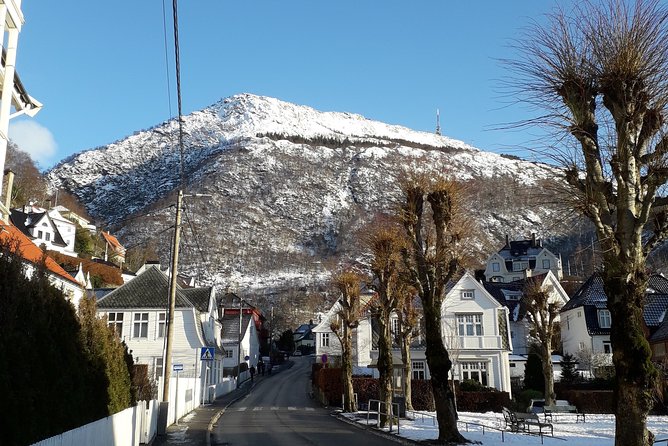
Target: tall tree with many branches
{"type": "Point", "coordinates": [432, 220]}
{"type": "Point", "coordinates": [602, 72]}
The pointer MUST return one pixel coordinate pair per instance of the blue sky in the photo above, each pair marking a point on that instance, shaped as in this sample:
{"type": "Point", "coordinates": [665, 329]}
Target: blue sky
{"type": "Point", "coordinates": [99, 68]}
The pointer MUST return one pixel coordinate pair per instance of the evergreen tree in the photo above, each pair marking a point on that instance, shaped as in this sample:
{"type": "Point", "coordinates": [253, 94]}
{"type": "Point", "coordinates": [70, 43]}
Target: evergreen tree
{"type": "Point", "coordinates": [569, 374]}
{"type": "Point", "coordinates": [107, 354]}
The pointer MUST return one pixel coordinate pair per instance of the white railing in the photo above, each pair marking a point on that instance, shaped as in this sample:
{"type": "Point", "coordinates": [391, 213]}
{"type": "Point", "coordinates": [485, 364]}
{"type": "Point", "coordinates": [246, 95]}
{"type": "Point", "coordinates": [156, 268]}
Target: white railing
{"type": "Point", "coordinates": [390, 415]}
{"type": "Point", "coordinates": [480, 342]}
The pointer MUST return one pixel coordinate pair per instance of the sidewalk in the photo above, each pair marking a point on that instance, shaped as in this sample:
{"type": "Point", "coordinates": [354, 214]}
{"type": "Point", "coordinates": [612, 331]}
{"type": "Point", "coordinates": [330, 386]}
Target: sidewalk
{"type": "Point", "coordinates": [194, 428]}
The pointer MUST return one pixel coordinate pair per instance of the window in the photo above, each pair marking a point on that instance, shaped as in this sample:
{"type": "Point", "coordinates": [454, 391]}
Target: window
{"type": "Point", "coordinates": [520, 266]}
{"type": "Point", "coordinates": [161, 324]}
{"type": "Point", "coordinates": [418, 369]}
{"type": "Point", "coordinates": [477, 371]}
{"type": "Point", "coordinates": [607, 347]}
{"type": "Point", "coordinates": [394, 326]}
{"type": "Point", "coordinates": [469, 324]}
{"type": "Point", "coordinates": [40, 234]}
{"type": "Point", "coordinates": [496, 267]}
{"type": "Point", "coordinates": [468, 294]}
{"type": "Point", "coordinates": [581, 345]}
{"type": "Point", "coordinates": [229, 353]}
{"type": "Point", "coordinates": [546, 263]}
{"type": "Point", "coordinates": [140, 327]}
{"type": "Point", "coordinates": [579, 313]}
{"type": "Point", "coordinates": [47, 236]}
{"type": "Point", "coordinates": [158, 367]}
{"type": "Point", "coordinates": [604, 319]}
{"type": "Point", "coordinates": [324, 340]}
{"type": "Point", "coordinates": [568, 322]}
{"type": "Point", "coordinates": [115, 321]}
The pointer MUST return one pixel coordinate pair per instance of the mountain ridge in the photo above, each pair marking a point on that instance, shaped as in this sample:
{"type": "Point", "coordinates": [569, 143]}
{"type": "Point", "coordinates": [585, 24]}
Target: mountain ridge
{"type": "Point", "coordinates": [308, 179]}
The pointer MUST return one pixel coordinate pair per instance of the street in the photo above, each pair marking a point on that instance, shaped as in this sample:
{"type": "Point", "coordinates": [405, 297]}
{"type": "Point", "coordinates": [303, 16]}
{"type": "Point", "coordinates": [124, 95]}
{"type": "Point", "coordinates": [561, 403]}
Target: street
{"type": "Point", "coordinates": [279, 412]}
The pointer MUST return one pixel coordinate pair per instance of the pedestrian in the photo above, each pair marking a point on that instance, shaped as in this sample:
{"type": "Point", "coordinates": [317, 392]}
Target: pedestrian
{"type": "Point", "coordinates": [252, 372]}
{"type": "Point", "coordinates": [260, 367]}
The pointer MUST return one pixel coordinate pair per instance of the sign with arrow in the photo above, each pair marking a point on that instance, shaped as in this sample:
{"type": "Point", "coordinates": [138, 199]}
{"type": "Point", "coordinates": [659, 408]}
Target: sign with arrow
{"type": "Point", "coordinates": [207, 354]}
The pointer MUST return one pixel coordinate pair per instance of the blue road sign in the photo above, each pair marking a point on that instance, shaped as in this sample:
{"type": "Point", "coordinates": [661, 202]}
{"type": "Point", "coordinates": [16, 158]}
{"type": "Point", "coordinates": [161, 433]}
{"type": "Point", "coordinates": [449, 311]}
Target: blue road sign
{"type": "Point", "coordinates": [177, 367]}
{"type": "Point", "coordinates": [207, 354]}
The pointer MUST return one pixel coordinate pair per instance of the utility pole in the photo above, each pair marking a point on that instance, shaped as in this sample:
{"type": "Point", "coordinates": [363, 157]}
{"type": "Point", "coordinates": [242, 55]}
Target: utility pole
{"type": "Point", "coordinates": [239, 344]}
{"type": "Point", "coordinates": [167, 363]}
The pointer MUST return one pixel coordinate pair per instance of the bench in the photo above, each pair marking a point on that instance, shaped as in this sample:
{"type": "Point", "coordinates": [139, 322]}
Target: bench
{"type": "Point", "coordinates": [523, 422]}
{"type": "Point", "coordinates": [551, 412]}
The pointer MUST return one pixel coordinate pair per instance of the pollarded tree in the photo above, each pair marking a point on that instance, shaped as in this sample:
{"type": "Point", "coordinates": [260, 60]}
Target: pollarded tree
{"type": "Point", "coordinates": [432, 221]}
{"type": "Point", "coordinates": [384, 239]}
{"type": "Point", "coordinates": [602, 72]}
{"type": "Point", "coordinates": [348, 284]}
{"type": "Point", "coordinates": [409, 325]}
{"type": "Point", "coordinates": [542, 313]}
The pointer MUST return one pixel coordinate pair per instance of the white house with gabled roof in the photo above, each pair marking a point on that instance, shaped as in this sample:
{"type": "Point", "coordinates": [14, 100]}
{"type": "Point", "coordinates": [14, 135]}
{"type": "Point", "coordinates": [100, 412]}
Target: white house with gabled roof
{"type": "Point", "coordinates": [137, 311]}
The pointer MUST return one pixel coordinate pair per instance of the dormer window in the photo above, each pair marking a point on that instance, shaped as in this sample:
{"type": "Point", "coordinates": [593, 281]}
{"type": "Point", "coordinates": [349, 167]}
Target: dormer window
{"type": "Point", "coordinates": [520, 266]}
{"type": "Point", "coordinates": [604, 319]}
{"type": "Point", "coordinates": [546, 263]}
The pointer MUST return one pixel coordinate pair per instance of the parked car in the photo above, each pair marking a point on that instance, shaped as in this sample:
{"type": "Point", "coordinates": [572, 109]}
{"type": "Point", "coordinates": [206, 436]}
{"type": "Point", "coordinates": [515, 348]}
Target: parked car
{"type": "Point", "coordinates": [297, 353]}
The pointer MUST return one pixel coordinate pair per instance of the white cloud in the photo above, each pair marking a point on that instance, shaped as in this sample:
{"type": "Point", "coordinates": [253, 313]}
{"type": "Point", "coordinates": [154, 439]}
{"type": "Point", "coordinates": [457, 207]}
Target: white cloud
{"type": "Point", "coordinates": [34, 139]}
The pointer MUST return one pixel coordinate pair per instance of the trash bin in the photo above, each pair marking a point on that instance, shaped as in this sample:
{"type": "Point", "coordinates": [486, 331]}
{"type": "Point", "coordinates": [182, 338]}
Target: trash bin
{"type": "Point", "coordinates": [401, 401]}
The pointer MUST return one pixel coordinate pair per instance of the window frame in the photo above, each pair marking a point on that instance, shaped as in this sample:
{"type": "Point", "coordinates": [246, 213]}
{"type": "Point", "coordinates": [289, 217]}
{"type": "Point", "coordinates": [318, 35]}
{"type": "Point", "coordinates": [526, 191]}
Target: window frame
{"type": "Point", "coordinates": [161, 324]}
{"type": "Point", "coordinates": [474, 370]}
{"type": "Point", "coordinates": [469, 324]}
{"type": "Point", "coordinates": [324, 340]}
{"type": "Point", "coordinates": [468, 294]}
{"type": "Point", "coordinates": [114, 323]}
{"type": "Point", "coordinates": [418, 370]}
{"type": "Point", "coordinates": [140, 325]}
{"type": "Point", "coordinates": [604, 318]}
{"type": "Point", "coordinates": [496, 267]}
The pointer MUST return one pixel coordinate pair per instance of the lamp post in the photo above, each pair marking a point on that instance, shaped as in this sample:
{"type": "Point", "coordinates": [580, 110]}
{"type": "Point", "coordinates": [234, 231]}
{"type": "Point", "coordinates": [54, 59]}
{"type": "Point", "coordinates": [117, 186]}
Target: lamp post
{"type": "Point", "coordinates": [239, 344]}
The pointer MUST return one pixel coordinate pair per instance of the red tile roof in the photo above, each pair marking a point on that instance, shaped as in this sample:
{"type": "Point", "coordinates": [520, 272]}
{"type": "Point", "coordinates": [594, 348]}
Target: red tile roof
{"type": "Point", "coordinates": [113, 241]}
{"type": "Point", "coordinates": [30, 252]}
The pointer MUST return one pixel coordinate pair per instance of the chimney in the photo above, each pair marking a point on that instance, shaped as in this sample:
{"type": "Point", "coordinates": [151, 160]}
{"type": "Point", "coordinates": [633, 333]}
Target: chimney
{"type": "Point", "coordinates": [48, 204]}
{"type": "Point", "coordinates": [507, 242]}
{"type": "Point", "coordinates": [533, 239]}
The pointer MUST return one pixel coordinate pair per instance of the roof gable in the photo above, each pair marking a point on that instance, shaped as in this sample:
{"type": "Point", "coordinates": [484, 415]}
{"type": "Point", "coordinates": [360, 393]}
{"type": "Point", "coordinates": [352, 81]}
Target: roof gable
{"type": "Point", "coordinates": [150, 289]}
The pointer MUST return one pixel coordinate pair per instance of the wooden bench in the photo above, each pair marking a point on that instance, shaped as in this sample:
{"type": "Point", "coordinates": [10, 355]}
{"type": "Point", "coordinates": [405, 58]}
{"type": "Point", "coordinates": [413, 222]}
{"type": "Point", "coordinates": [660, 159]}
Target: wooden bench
{"type": "Point", "coordinates": [523, 422]}
{"type": "Point", "coordinates": [552, 412]}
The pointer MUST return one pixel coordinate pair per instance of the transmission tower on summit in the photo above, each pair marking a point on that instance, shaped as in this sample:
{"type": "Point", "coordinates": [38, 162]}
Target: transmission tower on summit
{"type": "Point", "coordinates": [438, 122]}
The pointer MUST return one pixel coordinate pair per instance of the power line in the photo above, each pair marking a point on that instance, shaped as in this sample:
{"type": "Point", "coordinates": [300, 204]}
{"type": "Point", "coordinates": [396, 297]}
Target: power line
{"type": "Point", "coordinates": [169, 81]}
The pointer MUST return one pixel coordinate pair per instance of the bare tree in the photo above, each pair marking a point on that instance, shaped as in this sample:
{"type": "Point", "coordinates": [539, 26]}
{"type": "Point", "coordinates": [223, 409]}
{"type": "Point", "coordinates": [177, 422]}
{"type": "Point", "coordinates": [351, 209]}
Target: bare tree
{"type": "Point", "coordinates": [385, 241]}
{"type": "Point", "coordinates": [602, 73]}
{"type": "Point", "coordinates": [409, 320]}
{"type": "Point", "coordinates": [434, 256]}
{"type": "Point", "coordinates": [543, 316]}
{"type": "Point", "coordinates": [348, 283]}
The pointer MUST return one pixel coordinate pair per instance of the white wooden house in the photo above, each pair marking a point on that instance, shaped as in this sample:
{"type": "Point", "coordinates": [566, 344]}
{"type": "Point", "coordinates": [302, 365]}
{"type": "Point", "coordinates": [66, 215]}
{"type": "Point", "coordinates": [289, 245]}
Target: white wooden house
{"type": "Point", "coordinates": [137, 311]}
{"type": "Point", "coordinates": [511, 295]}
{"type": "Point", "coordinates": [327, 343]}
{"type": "Point", "coordinates": [38, 225]}
{"type": "Point", "coordinates": [475, 331]}
{"type": "Point", "coordinates": [519, 259]}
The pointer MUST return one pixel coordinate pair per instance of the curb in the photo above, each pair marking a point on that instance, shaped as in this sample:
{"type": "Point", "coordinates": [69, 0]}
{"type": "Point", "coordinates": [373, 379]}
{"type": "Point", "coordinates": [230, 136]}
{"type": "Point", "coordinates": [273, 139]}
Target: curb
{"type": "Point", "coordinates": [217, 415]}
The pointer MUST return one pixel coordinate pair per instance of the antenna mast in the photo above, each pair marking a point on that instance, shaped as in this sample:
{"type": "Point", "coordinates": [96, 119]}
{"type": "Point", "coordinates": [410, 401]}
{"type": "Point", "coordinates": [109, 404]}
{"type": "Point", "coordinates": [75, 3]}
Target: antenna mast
{"type": "Point", "coordinates": [438, 122]}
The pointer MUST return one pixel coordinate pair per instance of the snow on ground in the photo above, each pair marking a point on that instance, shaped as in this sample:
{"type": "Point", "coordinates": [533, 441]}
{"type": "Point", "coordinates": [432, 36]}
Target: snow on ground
{"type": "Point", "coordinates": [599, 430]}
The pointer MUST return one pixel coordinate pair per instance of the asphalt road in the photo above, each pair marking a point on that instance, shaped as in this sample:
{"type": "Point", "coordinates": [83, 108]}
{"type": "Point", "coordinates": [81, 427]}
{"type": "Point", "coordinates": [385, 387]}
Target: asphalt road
{"type": "Point", "coordinates": [279, 412]}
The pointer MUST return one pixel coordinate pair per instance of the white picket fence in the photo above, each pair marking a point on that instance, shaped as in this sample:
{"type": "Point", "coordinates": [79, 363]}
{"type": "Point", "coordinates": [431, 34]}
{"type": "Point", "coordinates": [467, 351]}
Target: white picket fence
{"type": "Point", "coordinates": [138, 425]}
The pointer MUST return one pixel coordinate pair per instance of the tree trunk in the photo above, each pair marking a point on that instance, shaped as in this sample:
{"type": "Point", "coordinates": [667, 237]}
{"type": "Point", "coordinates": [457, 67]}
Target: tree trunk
{"type": "Point", "coordinates": [347, 370]}
{"type": "Point", "coordinates": [439, 364]}
{"type": "Point", "coordinates": [635, 374]}
{"type": "Point", "coordinates": [548, 372]}
{"type": "Point", "coordinates": [385, 364]}
{"type": "Point", "coordinates": [407, 377]}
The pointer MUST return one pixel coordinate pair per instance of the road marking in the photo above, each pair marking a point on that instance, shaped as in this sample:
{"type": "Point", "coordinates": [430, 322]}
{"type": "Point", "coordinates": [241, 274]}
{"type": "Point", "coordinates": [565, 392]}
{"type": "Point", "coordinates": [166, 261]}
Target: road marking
{"type": "Point", "coordinates": [275, 408]}
{"type": "Point", "coordinates": [241, 409]}
{"type": "Point", "coordinates": [292, 408]}
{"type": "Point", "coordinates": [310, 409]}
{"type": "Point", "coordinates": [257, 409]}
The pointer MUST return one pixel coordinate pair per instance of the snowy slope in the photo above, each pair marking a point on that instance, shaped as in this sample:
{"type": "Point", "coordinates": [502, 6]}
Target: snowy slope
{"type": "Point", "coordinates": [289, 185]}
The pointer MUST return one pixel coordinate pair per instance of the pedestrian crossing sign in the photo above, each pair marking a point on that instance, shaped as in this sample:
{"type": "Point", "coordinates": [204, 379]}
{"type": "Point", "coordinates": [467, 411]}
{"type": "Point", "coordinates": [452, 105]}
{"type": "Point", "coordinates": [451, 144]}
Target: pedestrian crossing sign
{"type": "Point", "coordinates": [207, 354]}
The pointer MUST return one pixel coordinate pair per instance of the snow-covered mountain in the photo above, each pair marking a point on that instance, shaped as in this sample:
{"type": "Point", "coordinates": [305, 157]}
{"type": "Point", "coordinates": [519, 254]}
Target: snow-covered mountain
{"type": "Point", "coordinates": [288, 186]}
